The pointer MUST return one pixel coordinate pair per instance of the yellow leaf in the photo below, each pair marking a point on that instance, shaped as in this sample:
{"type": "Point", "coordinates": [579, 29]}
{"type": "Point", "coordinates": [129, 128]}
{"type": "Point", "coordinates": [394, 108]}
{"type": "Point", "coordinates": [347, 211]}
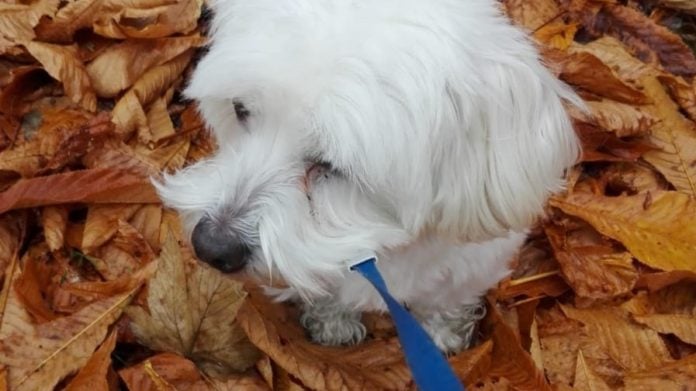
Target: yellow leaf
{"type": "Point", "coordinates": [675, 136]}
{"type": "Point", "coordinates": [39, 358]}
{"type": "Point", "coordinates": [657, 228]}
{"type": "Point", "coordinates": [671, 310]}
{"type": "Point", "coordinates": [62, 63]}
{"type": "Point", "coordinates": [586, 379]}
{"type": "Point", "coordinates": [192, 313]}
{"type": "Point", "coordinates": [676, 376]}
{"type": "Point", "coordinates": [633, 346]}
{"type": "Point", "coordinates": [557, 35]}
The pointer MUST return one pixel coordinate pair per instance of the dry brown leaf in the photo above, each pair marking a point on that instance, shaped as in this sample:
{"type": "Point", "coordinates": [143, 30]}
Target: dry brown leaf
{"type": "Point", "coordinates": [472, 364]}
{"type": "Point", "coordinates": [173, 368]}
{"type": "Point", "coordinates": [61, 63]}
{"type": "Point", "coordinates": [147, 221]}
{"type": "Point", "coordinates": [12, 228]}
{"type": "Point", "coordinates": [601, 145]}
{"type": "Point", "coordinates": [119, 66]}
{"type": "Point", "coordinates": [197, 321]}
{"type": "Point", "coordinates": [620, 118]}
{"type": "Point", "coordinates": [561, 340]}
{"type": "Point", "coordinates": [532, 14]}
{"type": "Point", "coordinates": [41, 357]}
{"type": "Point", "coordinates": [659, 280]}
{"type": "Point", "coordinates": [126, 252]}
{"type": "Point", "coordinates": [128, 114]}
{"type": "Point", "coordinates": [55, 222]}
{"type": "Point", "coordinates": [159, 123]}
{"type": "Point", "coordinates": [17, 21]}
{"type": "Point", "coordinates": [676, 376]}
{"type": "Point", "coordinates": [509, 359]}
{"type": "Point", "coordinates": [681, 92]}
{"type": "Point", "coordinates": [115, 154]}
{"type": "Point", "coordinates": [639, 31]}
{"type": "Point", "coordinates": [102, 223]}
{"type": "Point", "coordinates": [633, 346]}
{"type": "Point", "coordinates": [556, 35]}
{"type": "Point", "coordinates": [614, 54]}
{"type": "Point", "coordinates": [657, 228]}
{"type": "Point", "coordinates": [92, 377]}
{"type": "Point", "coordinates": [100, 185]}
{"type": "Point", "coordinates": [669, 311]}
{"type": "Point", "coordinates": [584, 70]}
{"type": "Point", "coordinates": [151, 22]}
{"type": "Point", "coordinates": [376, 364]}
{"type": "Point", "coordinates": [593, 268]}
{"type": "Point", "coordinates": [31, 290]}
{"type": "Point", "coordinates": [586, 379]}
{"type": "Point", "coordinates": [171, 157]}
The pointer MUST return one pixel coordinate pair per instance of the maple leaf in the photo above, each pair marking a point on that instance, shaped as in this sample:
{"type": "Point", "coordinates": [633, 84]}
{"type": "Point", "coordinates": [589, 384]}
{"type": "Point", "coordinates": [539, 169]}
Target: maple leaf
{"type": "Point", "coordinates": [193, 314]}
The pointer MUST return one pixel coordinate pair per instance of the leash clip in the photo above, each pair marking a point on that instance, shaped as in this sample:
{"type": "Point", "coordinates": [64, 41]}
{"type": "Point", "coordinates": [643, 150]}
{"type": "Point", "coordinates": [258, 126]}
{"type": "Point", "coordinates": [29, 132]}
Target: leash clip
{"type": "Point", "coordinates": [368, 256]}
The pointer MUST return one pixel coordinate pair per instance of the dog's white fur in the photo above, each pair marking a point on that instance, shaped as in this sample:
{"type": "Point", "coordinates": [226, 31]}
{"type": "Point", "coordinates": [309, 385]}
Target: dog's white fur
{"type": "Point", "coordinates": [446, 133]}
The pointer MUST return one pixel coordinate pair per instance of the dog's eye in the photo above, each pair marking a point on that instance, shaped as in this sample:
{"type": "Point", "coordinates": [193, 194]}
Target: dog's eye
{"type": "Point", "coordinates": [242, 112]}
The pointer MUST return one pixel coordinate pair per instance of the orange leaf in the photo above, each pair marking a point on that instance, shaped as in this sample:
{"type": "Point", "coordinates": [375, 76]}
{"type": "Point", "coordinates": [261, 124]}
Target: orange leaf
{"type": "Point", "coordinates": [92, 376]}
{"type": "Point", "coordinates": [675, 376]}
{"type": "Point", "coordinates": [376, 364]}
{"type": "Point", "coordinates": [101, 185]}
{"type": "Point", "coordinates": [62, 64]}
{"type": "Point", "coordinates": [170, 367]}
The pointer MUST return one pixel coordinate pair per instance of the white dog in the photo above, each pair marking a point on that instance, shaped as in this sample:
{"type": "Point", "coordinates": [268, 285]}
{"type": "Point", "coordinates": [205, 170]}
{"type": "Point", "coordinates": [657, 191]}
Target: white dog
{"type": "Point", "coordinates": [427, 132]}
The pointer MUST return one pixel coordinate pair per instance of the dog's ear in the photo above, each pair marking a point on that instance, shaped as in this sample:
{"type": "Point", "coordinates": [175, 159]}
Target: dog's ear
{"type": "Point", "coordinates": [508, 147]}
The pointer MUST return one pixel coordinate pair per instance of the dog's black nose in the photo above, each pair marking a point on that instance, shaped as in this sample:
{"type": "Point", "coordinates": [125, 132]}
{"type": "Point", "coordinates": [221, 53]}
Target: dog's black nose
{"type": "Point", "coordinates": [219, 249]}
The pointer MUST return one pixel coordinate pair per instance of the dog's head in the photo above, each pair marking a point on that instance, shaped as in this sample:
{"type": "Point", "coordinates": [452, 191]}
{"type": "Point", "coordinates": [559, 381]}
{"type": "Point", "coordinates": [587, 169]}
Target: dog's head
{"type": "Point", "coordinates": [345, 128]}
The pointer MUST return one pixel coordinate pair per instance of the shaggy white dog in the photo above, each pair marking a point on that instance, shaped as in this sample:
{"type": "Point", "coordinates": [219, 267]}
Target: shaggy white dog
{"type": "Point", "coordinates": [427, 132]}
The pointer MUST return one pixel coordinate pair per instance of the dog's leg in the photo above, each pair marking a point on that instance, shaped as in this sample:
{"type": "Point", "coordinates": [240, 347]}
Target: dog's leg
{"type": "Point", "coordinates": [452, 330]}
{"type": "Point", "coordinates": [330, 323]}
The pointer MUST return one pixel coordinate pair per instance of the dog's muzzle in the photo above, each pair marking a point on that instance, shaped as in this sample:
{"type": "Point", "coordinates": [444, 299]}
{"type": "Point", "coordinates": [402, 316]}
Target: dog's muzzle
{"type": "Point", "coordinates": [218, 248]}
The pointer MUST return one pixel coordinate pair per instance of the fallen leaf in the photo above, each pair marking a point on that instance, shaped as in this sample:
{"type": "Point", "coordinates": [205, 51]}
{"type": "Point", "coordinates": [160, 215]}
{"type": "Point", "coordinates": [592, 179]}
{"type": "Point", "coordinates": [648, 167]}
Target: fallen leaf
{"type": "Point", "coordinates": [585, 70]}
{"type": "Point", "coordinates": [92, 376]}
{"type": "Point", "coordinates": [147, 221]}
{"type": "Point", "coordinates": [671, 310]}
{"type": "Point", "coordinates": [103, 222]}
{"type": "Point", "coordinates": [620, 118]}
{"type": "Point", "coordinates": [193, 314]}
{"type": "Point", "coordinates": [168, 19]}
{"type": "Point", "coordinates": [660, 235]}
{"type": "Point", "coordinates": [586, 378]}
{"type": "Point", "coordinates": [171, 368]}
{"type": "Point", "coordinates": [376, 364]}
{"type": "Point", "coordinates": [31, 288]}
{"type": "Point", "coordinates": [61, 63]}
{"type": "Point", "coordinates": [99, 185]}
{"type": "Point", "coordinates": [119, 66]}
{"type": "Point", "coordinates": [636, 29]}
{"type": "Point", "coordinates": [673, 135]}
{"type": "Point", "coordinates": [556, 35]}
{"type": "Point", "coordinates": [532, 15]}
{"type": "Point", "coordinates": [17, 21]}
{"type": "Point", "coordinates": [593, 268]}
{"type": "Point", "coordinates": [472, 364]}
{"type": "Point", "coordinates": [128, 114]}
{"type": "Point", "coordinates": [675, 376]}
{"type": "Point", "coordinates": [659, 280]}
{"type": "Point", "coordinates": [41, 357]}
{"type": "Point", "coordinates": [633, 346]}
{"type": "Point", "coordinates": [55, 222]}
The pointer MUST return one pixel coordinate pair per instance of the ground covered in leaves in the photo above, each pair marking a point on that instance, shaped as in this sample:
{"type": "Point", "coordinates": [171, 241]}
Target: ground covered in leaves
{"type": "Point", "coordinates": [99, 291]}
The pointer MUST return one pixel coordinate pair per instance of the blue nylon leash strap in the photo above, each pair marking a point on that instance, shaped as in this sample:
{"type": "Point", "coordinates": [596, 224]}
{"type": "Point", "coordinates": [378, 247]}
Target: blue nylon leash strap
{"type": "Point", "coordinates": [430, 369]}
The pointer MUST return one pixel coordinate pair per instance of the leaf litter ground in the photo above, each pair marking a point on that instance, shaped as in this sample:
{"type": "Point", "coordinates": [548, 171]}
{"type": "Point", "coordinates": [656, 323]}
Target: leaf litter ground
{"type": "Point", "coordinates": [100, 292]}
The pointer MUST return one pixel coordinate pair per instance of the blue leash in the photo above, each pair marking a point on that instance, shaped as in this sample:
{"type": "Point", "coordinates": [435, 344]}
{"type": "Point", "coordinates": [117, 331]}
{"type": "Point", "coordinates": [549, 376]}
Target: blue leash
{"type": "Point", "coordinates": [430, 369]}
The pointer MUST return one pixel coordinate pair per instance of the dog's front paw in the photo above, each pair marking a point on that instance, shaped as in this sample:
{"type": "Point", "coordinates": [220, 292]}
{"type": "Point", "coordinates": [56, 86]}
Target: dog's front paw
{"type": "Point", "coordinates": [453, 331]}
{"type": "Point", "coordinates": [330, 324]}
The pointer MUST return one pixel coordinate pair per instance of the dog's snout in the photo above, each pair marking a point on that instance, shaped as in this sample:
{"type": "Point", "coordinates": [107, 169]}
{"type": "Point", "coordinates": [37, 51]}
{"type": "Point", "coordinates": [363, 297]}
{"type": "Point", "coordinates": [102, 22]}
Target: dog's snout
{"type": "Point", "coordinates": [218, 248]}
